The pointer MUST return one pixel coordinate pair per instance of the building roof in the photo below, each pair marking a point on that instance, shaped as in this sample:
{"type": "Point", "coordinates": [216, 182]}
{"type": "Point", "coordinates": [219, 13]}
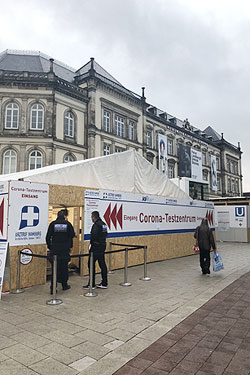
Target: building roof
{"type": "Point", "coordinates": [212, 133]}
{"type": "Point", "coordinates": [98, 68]}
{"type": "Point", "coordinates": [33, 61]}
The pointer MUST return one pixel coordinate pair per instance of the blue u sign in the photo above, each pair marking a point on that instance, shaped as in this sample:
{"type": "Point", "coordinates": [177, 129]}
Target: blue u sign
{"type": "Point", "coordinates": [240, 211]}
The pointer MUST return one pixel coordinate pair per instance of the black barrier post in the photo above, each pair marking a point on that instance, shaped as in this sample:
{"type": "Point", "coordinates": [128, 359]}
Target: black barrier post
{"type": "Point", "coordinates": [54, 301]}
{"type": "Point", "coordinates": [126, 283]}
{"type": "Point", "coordinates": [110, 259]}
{"type": "Point", "coordinates": [90, 293]}
{"type": "Point", "coordinates": [18, 276]}
{"type": "Point", "coordinates": [145, 277]}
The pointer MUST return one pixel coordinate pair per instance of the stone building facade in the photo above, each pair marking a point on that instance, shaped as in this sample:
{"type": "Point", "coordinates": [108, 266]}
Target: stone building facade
{"type": "Point", "coordinates": [51, 113]}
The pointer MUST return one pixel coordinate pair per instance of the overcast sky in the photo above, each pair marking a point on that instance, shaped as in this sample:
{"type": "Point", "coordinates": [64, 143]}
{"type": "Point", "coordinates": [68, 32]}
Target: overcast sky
{"type": "Point", "coordinates": [193, 56]}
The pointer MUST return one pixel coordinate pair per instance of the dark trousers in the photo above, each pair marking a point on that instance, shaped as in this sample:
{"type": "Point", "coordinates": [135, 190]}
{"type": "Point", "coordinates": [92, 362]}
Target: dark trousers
{"type": "Point", "coordinates": [62, 270]}
{"type": "Point", "coordinates": [205, 260]}
{"type": "Point", "coordinates": [100, 257]}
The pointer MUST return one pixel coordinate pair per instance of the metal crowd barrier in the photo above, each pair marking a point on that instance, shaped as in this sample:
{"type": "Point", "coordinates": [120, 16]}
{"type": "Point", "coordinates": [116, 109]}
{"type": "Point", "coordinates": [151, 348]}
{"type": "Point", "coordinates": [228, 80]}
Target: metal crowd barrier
{"type": "Point", "coordinates": [91, 292]}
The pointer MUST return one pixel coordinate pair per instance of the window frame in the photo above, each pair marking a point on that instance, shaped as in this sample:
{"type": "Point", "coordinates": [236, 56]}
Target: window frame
{"type": "Point", "coordinates": [70, 123]}
{"type": "Point", "coordinates": [119, 126]}
{"type": "Point", "coordinates": [149, 136]}
{"type": "Point", "coordinates": [171, 167]}
{"type": "Point", "coordinates": [37, 110]}
{"type": "Point", "coordinates": [68, 155]}
{"type": "Point", "coordinates": [106, 128]}
{"type": "Point", "coordinates": [10, 161]}
{"type": "Point", "coordinates": [36, 156]}
{"type": "Point", "coordinates": [105, 147]}
{"type": "Point", "coordinates": [12, 116]}
{"type": "Point", "coordinates": [170, 142]}
{"type": "Point", "coordinates": [131, 130]}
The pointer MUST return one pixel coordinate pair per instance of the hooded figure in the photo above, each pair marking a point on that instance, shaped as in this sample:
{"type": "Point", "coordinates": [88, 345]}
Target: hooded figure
{"type": "Point", "coordinates": [205, 240]}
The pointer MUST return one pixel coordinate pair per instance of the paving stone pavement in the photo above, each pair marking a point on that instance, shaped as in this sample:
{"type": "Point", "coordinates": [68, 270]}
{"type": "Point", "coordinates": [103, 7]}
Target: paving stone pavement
{"type": "Point", "coordinates": [98, 336]}
{"type": "Point", "coordinates": [215, 339]}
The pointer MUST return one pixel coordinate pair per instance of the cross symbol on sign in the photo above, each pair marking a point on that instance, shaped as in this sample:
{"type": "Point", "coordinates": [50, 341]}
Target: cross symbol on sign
{"type": "Point", "coordinates": [30, 216]}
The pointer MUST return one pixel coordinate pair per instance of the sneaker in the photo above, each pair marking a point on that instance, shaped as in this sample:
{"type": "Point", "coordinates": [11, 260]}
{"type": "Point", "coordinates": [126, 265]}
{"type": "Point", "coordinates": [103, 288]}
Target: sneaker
{"type": "Point", "coordinates": [102, 286]}
{"type": "Point", "coordinates": [66, 287]}
{"type": "Point", "coordinates": [87, 287]}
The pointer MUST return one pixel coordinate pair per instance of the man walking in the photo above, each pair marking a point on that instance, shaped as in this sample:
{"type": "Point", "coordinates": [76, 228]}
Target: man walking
{"type": "Point", "coordinates": [59, 240]}
{"type": "Point", "coordinates": [98, 247]}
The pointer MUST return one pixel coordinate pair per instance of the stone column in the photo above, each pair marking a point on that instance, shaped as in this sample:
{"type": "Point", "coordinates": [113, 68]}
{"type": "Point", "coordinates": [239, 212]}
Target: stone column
{"type": "Point", "coordinates": [91, 144]}
{"type": "Point", "coordinates": [24, 126]}
{"type": "Point", "coordinates": [23, 163]}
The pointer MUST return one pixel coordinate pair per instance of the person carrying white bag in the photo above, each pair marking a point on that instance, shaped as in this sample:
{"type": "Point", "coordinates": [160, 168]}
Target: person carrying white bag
{"type": "Point", "coordinates": [205, 241]}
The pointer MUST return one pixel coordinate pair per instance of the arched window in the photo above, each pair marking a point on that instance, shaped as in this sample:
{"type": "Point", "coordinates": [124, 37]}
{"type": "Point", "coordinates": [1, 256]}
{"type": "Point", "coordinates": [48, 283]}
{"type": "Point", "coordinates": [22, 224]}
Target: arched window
{"type": "Point", "coordinates": [37, 117]}
{"type": "Point", "coordinates": [11, 116]}
{"type": "Point", "coordinates": [69, 124]}
{"type": "Point", "coordinates": [68, 158]}
{"type": "Point", "coordinates": [9, 161]}
{"type": "Point", "coordinates": [35, 160]}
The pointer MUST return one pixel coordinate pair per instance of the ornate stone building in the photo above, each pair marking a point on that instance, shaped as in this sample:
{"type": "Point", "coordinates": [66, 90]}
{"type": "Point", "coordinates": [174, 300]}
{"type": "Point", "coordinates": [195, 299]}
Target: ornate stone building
{"type": "Point", "coordinates": [51, 113]}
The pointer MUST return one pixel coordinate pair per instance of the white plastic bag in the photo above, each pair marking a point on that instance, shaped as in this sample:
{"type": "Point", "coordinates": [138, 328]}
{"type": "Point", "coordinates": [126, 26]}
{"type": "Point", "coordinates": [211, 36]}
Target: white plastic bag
{"type": "Point", "coordinates": [217, 262]}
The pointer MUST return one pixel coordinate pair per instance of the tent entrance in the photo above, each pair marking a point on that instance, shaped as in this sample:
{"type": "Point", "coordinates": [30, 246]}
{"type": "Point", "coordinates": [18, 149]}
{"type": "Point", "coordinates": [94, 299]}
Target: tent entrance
{"type": "Point", "coordinates": [76, 219]}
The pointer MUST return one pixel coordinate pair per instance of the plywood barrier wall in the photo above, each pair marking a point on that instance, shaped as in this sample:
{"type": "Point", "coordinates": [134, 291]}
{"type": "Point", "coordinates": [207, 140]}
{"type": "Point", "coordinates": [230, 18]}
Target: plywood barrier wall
{"type": "Point", "coordinates": [33, 273]}
{"type": "Point", "coordinates": [160, 247]}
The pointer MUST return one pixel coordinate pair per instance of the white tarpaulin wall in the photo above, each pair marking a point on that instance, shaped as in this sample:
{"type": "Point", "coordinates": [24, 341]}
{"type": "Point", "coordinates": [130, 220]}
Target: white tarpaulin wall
{"type": "Point", "coordinates": [126, 171]}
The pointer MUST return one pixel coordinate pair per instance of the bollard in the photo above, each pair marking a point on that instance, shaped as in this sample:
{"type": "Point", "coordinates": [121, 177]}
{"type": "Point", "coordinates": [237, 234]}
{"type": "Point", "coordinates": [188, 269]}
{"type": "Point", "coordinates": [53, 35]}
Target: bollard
{"type": "Point", "coordinates": [145, 278]}
{"type": "Point", "coordinates": [90, 293]}
{"type": "Point", "coordinates": [18, 276]}
{"type": "Point", "coordinates": [54, 300]}
{"type": "Point", "coordinates": [126, 283]}
{"type": "Point", "coordinates": [110, 260]}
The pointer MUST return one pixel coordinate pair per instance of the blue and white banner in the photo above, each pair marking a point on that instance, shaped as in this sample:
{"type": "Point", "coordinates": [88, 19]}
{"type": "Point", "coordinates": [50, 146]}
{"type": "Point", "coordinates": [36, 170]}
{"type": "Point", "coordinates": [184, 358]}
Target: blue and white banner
{"type": "Point", "coordinates": [131, 215]}
{"type": "Point", "coordinates": [28, 213]}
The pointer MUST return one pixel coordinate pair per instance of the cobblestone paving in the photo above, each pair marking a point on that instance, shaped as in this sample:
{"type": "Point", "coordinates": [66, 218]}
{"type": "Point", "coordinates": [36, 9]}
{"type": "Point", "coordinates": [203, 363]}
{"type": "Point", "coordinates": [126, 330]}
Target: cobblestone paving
{"type": "Point", "coordinates": [97, 336]}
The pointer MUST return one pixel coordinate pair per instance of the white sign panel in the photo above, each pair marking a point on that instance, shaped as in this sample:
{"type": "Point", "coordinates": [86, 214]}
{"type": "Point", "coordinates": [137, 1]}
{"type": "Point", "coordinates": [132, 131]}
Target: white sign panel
{"type": "Point", "coordinates": [231, 217]}
{"type": "Point", "coordinates": [162, 149]}
{"type": "Point", "coordinates": [213, 173]}
{"type": "Point", "coordinates": [196, 161]}
{"type": "Point", "coordinates": [129, 214]}
{"type": "Point", "coordinates": [28, 213]}
{"type": "Point", "coordinates": [3, 210]}
{"type": "Point", "coordinates": [3, 256]}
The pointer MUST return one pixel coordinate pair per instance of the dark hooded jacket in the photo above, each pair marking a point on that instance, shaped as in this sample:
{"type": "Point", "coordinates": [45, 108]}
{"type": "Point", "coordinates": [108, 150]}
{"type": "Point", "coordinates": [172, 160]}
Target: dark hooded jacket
{"type": "Point", "coordinates": [204, 237]}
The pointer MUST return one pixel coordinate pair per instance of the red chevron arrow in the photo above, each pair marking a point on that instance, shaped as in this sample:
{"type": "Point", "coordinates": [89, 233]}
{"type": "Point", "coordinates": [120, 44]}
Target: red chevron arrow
{"type": "Point", "coordinates": [113, 216]}
{"type": "Point", "coordinates": [119, 216]}
{"type": "Point", "coordinates": [107, 215]}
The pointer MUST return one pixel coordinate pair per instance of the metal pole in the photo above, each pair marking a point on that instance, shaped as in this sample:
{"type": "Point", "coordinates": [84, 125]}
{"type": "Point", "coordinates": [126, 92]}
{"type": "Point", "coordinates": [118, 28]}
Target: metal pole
{"type": "Point", "coordinates": [18, 276]}
{"type": "Point", "coordinates": [54, 301]}
{"type": "Point", "coordinates": [145, 278]}
{"type": "Point", "coordinates": [126, 283]}
{"type": "Point", "coordinates": [110, 260]}
{"type": "Point", "coordinates": [90, 293]}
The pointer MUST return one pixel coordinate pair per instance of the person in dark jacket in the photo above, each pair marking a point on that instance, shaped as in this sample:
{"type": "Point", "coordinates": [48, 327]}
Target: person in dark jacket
{"type": "Point", "coordinates": [98, 246]}
{"type": "Point", "coordinates": [59, 240]}
{"type": "Point", "coordinates": [205, 240]}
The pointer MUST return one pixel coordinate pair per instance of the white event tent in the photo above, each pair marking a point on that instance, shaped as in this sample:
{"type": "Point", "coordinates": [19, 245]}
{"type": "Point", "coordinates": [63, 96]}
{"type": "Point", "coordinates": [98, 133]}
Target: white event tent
{"type": "Point", "coordinates": [126, 171]}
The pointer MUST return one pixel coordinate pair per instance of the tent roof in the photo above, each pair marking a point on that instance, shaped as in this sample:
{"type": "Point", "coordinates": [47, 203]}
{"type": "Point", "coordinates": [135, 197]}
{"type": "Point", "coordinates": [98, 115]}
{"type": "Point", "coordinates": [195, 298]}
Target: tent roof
{"type": "Point", "coordinates": [126, 171]}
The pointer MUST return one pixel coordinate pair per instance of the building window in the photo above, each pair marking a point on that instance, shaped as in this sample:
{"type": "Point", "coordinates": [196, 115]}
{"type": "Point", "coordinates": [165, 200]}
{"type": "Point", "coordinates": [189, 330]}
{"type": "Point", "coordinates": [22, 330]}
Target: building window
{"type": "Point", "coordinates": [106, 121]}
{"type": "Point", "coordinates": [9, 161]}
{"type": "Point", "coordinates": [149, 138]}
{"type": "Point", "coordinates": [119, 149]}
{"type": "Point", "coordinates": [119, 126]}
{"type": "Point", "coordinates": [106, 150]}
{"type": "Point", "coordinates": [217, 164]}
{"type": "Point", "coordinates": [204, 158]}
{"type": "Point", "coordinates": [205, 175]}
{"type": "Point", "coordinates": [131, 130]}
{"type": "Point", "coordinates": [35, 160]}
{"type": "Point", "coordinates": [37, 116]}
{"type": "Point", "coordinates": [69, 122]}
{"type": "Point", "coordinates": [68, 158]}
{"type": "Point", "coordinates": [237, 186]}
{"type": "Point", "coordinates": [229, 184]}
{"type": "Point", "coordinates": [11, 116]}
{"type": "Point", "coordinates": [219, 183]}
{"type": "Point", "coordinates": [170, 147]}
{"type": "Point", "coordinates": [170, 171]}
